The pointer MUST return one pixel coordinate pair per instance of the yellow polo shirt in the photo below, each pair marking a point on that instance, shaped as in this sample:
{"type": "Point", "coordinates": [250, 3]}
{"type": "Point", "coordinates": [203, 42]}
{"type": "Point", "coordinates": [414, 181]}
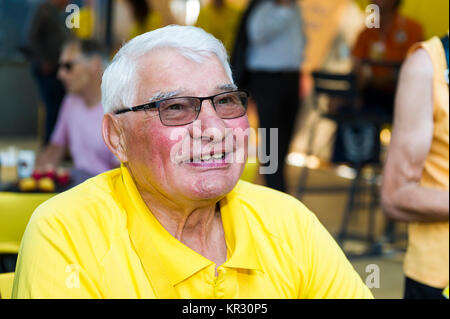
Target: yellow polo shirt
{"type": "Point", "coordinates": [99, 240]}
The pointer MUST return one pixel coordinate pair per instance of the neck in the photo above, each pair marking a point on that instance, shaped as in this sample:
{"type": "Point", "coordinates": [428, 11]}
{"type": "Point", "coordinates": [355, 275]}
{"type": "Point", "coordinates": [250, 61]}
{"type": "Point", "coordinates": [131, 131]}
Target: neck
{"type": "Point", "coordinates": [197, 224]}
{"type": "Point", "coordinates": [194, 225]}
{"type": "Point", "coordinates": [185, 220]}
{"type": "Point", "coordinates": [198, 228]}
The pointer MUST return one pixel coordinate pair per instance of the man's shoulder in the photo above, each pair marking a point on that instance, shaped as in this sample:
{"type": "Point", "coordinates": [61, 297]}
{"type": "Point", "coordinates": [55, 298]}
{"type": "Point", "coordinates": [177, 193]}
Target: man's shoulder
{"type": "Point", "coordinates": [78, 227]}
{"type": "Point", "coordinates": [250, 191]}
{"type": "Point", "coordinates": [90, 201]}
{"type": "Point", "coordinates": [272, 206]}
{"type": "Point", "coordinates": [73, 100]}
{"type": "Point", "coordinates": [69, 103]}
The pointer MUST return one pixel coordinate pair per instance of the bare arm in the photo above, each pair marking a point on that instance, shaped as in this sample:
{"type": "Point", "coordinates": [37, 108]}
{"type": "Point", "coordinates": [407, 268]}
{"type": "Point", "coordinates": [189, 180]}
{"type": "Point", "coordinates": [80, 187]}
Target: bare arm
{"type": "Point", "coordinates": [50, 157]}
{"type": "Point", "coordinates": [402, 196]}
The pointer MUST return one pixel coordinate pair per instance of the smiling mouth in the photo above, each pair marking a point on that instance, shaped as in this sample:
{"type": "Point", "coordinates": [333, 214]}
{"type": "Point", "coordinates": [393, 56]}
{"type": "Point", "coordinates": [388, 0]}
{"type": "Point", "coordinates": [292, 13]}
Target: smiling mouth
{"type": "Point", "coordinates": [208, 158]}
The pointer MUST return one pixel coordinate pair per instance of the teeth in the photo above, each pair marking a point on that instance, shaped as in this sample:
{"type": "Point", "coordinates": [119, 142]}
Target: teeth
{"type": "Point", "coordinates": [206, 157]}
{"type": "Point", "coordinates": [217, 156]}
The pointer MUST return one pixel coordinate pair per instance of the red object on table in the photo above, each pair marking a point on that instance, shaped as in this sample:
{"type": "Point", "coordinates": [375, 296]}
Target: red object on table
{"type": "Point", "coordinates": [37, 174]}
{"type": "Point", "coordinates": [50, 174]}
{"type": "Point", "coordinates": [63, 180]}
{"type": "Point", "coordinates": [62, 177]}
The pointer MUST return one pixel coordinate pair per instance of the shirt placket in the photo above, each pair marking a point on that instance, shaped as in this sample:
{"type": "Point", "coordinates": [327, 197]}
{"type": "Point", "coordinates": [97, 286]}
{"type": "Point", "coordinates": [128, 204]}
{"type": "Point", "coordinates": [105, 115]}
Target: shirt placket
{"type": "Point", "coordinates": [225, 283]}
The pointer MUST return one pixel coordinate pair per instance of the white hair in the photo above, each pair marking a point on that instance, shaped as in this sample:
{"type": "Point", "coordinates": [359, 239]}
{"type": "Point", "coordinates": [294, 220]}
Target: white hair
{"type": "Point", "coordinates": [120, 77]}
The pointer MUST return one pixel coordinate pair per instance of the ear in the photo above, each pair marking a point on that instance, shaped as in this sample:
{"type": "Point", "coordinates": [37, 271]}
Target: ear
{"type": "Point", "coordinates": [113, 136]}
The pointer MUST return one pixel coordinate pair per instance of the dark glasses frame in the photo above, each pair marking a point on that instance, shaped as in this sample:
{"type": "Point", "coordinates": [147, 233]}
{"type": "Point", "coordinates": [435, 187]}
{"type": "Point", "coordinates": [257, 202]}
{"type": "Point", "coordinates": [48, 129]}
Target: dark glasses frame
{"type": "Point", "coordinates": [156, 104]}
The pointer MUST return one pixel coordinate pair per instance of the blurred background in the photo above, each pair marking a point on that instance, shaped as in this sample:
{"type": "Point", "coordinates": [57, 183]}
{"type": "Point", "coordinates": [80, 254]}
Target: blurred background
{"type": "Point", "coordinates": [340, 131]}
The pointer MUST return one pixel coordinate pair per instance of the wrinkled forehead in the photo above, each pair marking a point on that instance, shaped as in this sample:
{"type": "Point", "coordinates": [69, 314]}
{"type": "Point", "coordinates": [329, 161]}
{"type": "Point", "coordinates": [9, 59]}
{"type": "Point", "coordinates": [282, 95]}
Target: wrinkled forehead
{"type": "Point", "coordinates": [173, 59]}
{"type": "Point", "coordinates": [167, 72]}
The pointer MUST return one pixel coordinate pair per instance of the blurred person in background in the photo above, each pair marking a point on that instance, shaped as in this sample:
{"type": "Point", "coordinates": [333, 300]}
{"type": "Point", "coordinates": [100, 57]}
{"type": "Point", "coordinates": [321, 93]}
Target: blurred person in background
{"type": "Point", "coordinates": [415, 185]}
{"type": "Point", "coordinates": [221, 19]}
{"type": "Point", "coordinates": [378, 54]}
{"type": "Point", "coordinates": [145, 17]}
{"type": "Point", "coordinates": [273, 47]}
{"type": "Point", "coordinates": [78, 128]}
{"type": "Point", "coordinates": [47, 33]}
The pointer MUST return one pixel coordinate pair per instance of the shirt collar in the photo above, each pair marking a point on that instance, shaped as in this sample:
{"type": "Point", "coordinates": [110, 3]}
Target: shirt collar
{"type": "Point", "coordinates": [166, 260]}
{"type": "Point", "coordinates": [241, 248]}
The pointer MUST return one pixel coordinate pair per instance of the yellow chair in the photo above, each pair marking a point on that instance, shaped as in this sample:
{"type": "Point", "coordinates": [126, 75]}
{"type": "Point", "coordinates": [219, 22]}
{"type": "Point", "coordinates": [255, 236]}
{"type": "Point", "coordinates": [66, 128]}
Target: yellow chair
{"type": "Point", "coordinates": [15, 211]}
{"type": "Point", "coordinates": [6, 285]}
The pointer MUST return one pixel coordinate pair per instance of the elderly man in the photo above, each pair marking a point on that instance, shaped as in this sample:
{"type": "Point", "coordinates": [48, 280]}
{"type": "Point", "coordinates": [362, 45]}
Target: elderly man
{"type": "Point", "coordinates": [47, 33]}
{"type": "Point", "coordinates": [78, 128]}
{"type": "Point", "coordinates": [175, 221]}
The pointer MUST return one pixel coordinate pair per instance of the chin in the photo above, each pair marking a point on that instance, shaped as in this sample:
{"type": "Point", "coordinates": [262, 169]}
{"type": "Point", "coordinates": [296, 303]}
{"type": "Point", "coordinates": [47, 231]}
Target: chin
{"type": "Point", "coordinates": [69, 89]}
{"type": "Point", "coordinates": [211, 188]}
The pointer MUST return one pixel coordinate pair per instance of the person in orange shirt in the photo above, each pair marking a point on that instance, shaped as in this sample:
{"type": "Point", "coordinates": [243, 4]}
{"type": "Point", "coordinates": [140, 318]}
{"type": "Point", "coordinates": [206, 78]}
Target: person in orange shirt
{"type": "Point", "coordinates": [416, 174]}
{"type": "Point", "coordinates": [379, 52]}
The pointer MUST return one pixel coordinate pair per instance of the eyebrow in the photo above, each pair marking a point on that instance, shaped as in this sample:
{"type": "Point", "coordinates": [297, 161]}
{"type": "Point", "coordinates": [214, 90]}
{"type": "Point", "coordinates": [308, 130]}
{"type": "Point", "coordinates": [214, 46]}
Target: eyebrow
{"type": "Point", "coordinates": [165, 95]}
{"type": "Point", "coordinates": [228, 87]}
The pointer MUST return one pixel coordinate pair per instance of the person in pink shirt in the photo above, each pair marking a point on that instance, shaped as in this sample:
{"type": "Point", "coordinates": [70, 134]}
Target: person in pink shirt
{"type": "Point", "coordinates": [78, 128]}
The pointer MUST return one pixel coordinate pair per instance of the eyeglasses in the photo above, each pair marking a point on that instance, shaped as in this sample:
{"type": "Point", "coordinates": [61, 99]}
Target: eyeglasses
{"type": "Point", "coordinates": [185, 110]}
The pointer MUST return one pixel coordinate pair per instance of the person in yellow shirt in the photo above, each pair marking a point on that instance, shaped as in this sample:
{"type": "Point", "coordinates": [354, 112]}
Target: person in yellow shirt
{"type": "Point", "coordinates": [416, 173]}
{"type": "Point", "coordinates": [145, 18]}
{"type": "Point", "coordinates": [221, 19]}
{"type": "Point", "coordinates": [174, 221]}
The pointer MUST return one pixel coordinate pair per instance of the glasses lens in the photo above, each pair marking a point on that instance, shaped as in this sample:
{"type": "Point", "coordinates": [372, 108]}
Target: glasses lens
{"type": "Point", "coordinates": [178, 111]}
{"type": "Point", "coordinates": [231, 104]}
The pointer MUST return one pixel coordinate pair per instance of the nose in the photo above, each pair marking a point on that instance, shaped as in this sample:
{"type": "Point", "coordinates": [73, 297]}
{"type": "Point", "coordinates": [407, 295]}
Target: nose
{"type": "Point", "coordinates": [62, 74]}
{"type": "Point", "coordinates": [211, 126]}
